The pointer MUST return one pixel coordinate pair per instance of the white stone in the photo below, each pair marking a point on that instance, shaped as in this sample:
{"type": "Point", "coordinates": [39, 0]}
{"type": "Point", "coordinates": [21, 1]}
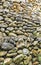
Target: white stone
{"type": "Point", "coordinates": [25, 51]}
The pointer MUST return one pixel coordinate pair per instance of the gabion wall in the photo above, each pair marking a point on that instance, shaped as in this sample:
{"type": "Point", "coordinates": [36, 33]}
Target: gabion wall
{"type": "Point", "coordinates": [20, 32]}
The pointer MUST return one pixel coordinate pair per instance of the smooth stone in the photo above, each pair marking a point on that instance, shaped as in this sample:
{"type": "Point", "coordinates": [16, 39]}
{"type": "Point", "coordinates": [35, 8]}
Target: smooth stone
{"type": "Point", "coordinates": [11, 54]}
{"type": "Point", "coordinates": [1, 38]}
{"type": "Point", "coordinates": [12, 64]}
{"type": "Point", "coordinates": [39, 58]}
{"type": "Point", "coordinates": [2, 29]}
{"type": "Point", "coordinates": [19, 32]}
{"type": "Point", "coordinates": [1, 21]}
{"type": "Point", "coordinates": [10, 28]}
{"type": "Point", "coordinates": [30, 63]}
{"type": "Point", "coordinates": [4, 25]}
{"type": "Point", "coordinates": [1, 18]}
{"type": "Point", "coordinates": [12, 34]}
{"type": "Point", "coordinates": [38, 28]}
{"type": "Point", "coordinates": [7, 32]}
{"type": "Point", "coordinates": [6, 4]}
{"type": "Point", "coordinates": [14, 50]}
{"type": "Point", "coordinates": [21, 63]}
{"type": "Point", "coordinates": [19, 51]}
{"type": "Point", "coordinates": [25, 51]}
{"type": "Point", "coordinates": [8, 19]}
{"type": "Point", "coordinates": [27, 59]}
{"type": "Point", "coordinates": [1, 59]}
{"type": "Point", "coordinates": [1, 10]}
{"type": "Point", "coordinates": [6, 10]}
{"type": "Point", "coordinates": [25, 27]}
{"type": "Point", "coordinates": [12, 24]}
{"type": "Point", "coordinates": [35, 63]}
{"type": "Point", "coordinates": [8, 61]}
{"type": "Point", "coordinates": [35, 42]}
{"type": "Point", "coordinates": [21, 45]}
{"type": "Point", "coordinates": [7, 46]}
{"type": "Point", "coordinates": [3, 53]}
{"type": "Point", "coordinates": [18, 58]}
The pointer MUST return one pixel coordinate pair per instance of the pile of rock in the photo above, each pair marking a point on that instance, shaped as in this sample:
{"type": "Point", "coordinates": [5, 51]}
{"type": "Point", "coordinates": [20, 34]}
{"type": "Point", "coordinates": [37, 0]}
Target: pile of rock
{"type": "Point", "coordinates": [20, 32]}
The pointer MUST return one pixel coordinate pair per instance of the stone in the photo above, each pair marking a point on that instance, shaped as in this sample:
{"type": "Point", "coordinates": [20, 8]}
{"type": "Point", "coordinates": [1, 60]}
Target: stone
{"type": "Point", "coordinates": [1, 18]}
{"type": "Point", "coordinates": [2, 29]}
{"type": "Point", "coordinates": [1, 38]}
{"type": "Point", "coordinates": [6, 10]}
{"type": "Point", "coordinates": [30, 63]}
{"type": "Point", "coordinates": [18, 58]}
{"type": "Point", "coordinates": [35, 42]}
{"type": "Point", "coordinates": [3, 53]}
{"type": "Point", "coordinates": [19, 51]}
{"type": "Point", "coordinates": [1, 59]}
{"type": "Point", "coordinates": [10, 28]}
{"type": "Point", "coordinates": [27, 59]}
{"type": "Point", "coordinates": [4, 25]}
{"type": "Point", "coordinates": [19, 32]}
{"type": "Point", "coordinates": [1, 21]}
{"type": "Point", "coordinates": [25, 51]}
{"type": "Point", "coordinates": [36, 63]}
{"type": "Point", "coordinates": [39, 58]}
{"type": "Point", "coordinates": [12, 64]}
{"type": "Point", "coordinates": [12, 34]}
{"type": "Point", "coordinates": [11, 54]}
{"type": "Point", "coordinates": [7, 46]}
{"type": "Point", "coordinates": [8, 61]}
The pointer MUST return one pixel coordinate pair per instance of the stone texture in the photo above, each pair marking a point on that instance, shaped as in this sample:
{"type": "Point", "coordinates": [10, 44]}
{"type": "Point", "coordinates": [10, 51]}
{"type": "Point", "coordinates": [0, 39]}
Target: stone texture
{"type": "Point", "coordinates": [20, 32]}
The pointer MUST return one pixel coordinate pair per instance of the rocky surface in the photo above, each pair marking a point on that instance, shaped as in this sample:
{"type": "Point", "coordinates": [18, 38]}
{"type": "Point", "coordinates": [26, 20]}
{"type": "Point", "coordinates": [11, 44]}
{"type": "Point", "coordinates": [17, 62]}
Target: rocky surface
{"type": "Point", "coordinates": [20, 32]}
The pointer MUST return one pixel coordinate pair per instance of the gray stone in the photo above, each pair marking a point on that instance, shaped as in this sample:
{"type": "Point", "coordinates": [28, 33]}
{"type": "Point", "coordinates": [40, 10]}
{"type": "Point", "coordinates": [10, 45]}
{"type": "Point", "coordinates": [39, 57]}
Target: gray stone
{"type": "Point", "coordinates": [25, 51]}
{"type": "Point", "coordinates": [1, 18]}
{"type": "Point", "coordinates": [7, 46]}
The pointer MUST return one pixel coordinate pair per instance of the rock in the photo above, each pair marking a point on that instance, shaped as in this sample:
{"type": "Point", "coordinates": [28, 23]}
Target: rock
{"type": "Point", "coordinates": [39, 58]}
{"type": "Point", "coordinates": [1, 18]}
{"type": "Point", "coordinates": [19, 32]}
{"type": "Point", "coordinates": [1, 21]}
{"type": "Point", "coordinates": [2, 29]}
{"type": "Point", "coordinates": [21, 45]}
{"type": "Point", "coordinates": [12, 34]}
{"type": "Point", "coordinates": [3, 53]}
{"type": "Point", "coordinates": [25, 51]}
{"type": "Point", "coordinates": [11, 54]}
{"type": "Point", "coordinates": [18, 58]}
{"type": "Point", "coordinates": [36, 63]}
{"type": "Point", "coordinates": [4, 25]}
{"type": "Point", "coordinates": [21, 63]}
{"type": "Point", "coordinates": [30, 63]}
{"type": "Point", "coordinates": [1, 59]}
{"type": "Point", "coordinates": [10, 28]}
{"type": "Point", "coordinates": [8, 61]}
{"type": "Point", "coordinates": [27, 60]}
{"type": "Point", "coordinates": [38, 28]}
{"type": "Point", "coordinates": [19, 51]}
{"type": "Point", "coordinates": [35, 42]}
{"type": "Point", "coordinates": [12, 64]}
{"type": "Point", "coordinates": [35, 52]}
{"type": "Point", "coordinates": [7, 46]}
{"type": "Point", "coordinates": [6, 10]}
{"type": "Point", "coordinates": [6, 4]}
{"type": "Point", "coordinates": [1, 38]}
